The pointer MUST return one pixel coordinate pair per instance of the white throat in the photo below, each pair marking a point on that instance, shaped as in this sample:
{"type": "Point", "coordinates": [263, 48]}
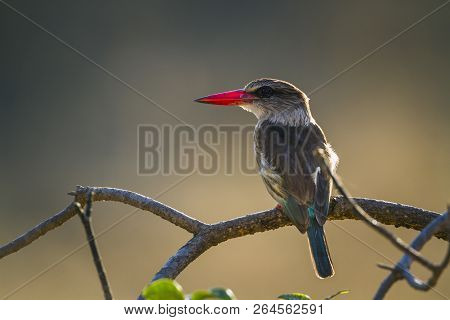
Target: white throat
{"type": "Point", "coordinates": [296, 117]}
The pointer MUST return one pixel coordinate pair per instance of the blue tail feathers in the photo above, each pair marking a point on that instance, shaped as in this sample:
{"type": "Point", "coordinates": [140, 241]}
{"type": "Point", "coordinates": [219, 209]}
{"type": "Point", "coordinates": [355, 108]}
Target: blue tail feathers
{"type": "Point", "coordinates": [319, 248]}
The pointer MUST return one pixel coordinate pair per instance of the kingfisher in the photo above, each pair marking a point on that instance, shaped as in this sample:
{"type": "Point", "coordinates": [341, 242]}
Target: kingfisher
{"type": "Point", "coordinates": [286, 143]}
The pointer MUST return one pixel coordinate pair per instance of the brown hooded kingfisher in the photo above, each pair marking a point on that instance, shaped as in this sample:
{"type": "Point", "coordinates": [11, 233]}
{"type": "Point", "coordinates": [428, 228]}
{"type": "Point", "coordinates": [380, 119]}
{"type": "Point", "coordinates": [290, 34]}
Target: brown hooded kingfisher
{"type": "Point", "coordinates": [286, 139]}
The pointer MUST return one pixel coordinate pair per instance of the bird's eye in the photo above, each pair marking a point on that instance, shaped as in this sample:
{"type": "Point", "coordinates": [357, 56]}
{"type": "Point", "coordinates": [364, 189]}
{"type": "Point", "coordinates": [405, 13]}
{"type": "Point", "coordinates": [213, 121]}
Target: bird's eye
{"type": "Point", "coordinates": [264, 92]}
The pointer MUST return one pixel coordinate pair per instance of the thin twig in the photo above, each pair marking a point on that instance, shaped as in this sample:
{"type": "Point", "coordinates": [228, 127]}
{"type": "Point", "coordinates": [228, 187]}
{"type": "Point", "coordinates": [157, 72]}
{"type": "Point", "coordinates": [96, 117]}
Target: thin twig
{"type": "Point", "coordinates": [401, 269]}
{"type": "Point", "coordinates": [85, 216]}
{"type": "Point", "coordinates": [374, 224]}
{"type": "Point", "coordinates": [411, 252]}
{"type": "Point", "coordinates": [41, 229]}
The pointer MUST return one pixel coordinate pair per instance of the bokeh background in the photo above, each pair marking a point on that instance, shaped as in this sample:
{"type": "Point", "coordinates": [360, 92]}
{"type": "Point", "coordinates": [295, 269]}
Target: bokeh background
{"type": "Point", "coordinates": [64, 122]}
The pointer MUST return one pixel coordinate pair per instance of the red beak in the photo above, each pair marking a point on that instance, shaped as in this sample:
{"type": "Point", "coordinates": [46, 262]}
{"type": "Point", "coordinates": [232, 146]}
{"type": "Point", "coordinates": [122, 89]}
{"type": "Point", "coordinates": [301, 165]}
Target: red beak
{"type": "Point", "coordinates": [229, 98]}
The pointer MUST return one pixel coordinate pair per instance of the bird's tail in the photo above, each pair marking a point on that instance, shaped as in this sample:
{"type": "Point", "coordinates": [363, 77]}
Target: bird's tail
{"type": "Point", "coordinates": [320, 254]}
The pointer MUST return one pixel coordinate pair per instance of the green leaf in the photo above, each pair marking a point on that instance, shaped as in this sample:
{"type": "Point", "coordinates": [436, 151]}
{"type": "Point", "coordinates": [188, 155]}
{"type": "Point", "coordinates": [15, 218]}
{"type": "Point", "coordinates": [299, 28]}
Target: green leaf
{"type": "Point", "coordinates": [214, 293]}
{"type": "Point", "coordinates": [163, 289]}
{"type": "Point", "coordinates": [294, 296]}
{"type": "Point", "coordinates": [337, 294]}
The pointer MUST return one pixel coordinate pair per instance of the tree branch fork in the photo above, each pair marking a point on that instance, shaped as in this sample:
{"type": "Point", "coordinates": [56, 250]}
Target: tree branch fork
{"type": "Point", "coordinates": [206, 235]}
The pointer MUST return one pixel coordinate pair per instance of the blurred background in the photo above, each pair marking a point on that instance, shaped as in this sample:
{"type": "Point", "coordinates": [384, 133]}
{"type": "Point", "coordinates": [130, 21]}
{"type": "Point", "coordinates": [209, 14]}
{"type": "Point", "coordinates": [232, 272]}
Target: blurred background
{"type": "Point", "coordinates": [64, 122]}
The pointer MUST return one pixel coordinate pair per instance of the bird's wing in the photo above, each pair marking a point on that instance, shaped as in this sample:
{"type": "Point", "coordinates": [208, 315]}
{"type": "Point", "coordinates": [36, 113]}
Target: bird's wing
{"type": "Point", "coordinates": [322, 197]}
{"type": "Point", "coordinates": [306, 182]}
{"type": "Point", "coordinates": [323, 181]}
{"type": "Point", "coordinates": [291, 172]}
{"type": "Point", "coordinates": [287, 178]}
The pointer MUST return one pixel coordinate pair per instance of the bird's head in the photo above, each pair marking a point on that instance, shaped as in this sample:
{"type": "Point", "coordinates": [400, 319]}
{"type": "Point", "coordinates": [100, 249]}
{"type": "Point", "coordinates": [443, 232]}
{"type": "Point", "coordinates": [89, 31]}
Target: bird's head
{"type": "Point", "coordinates": [266, 99]}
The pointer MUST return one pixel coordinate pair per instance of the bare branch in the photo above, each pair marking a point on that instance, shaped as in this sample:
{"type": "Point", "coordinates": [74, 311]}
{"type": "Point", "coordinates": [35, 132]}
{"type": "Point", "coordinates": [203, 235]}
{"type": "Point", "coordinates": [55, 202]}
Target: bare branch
{"type": "Point", "coordinates": [388, 213]}
{"type": "Point", "coordinates": [401, 269]}
{"type": "Point", "coordinates": [206, 236]}
{"type": "Point", "coordinates": [85, 216]}
{"type": "Point", "coordinates": [136, 200]}
{"type": "Point", "coordinates": [373, 223]}
{"type": "Point", "coordinates": [185, 255]}
{"type": "Point", "coordinates": [220, 232]}
{"type": "Point", "coordinates": [38, 231]}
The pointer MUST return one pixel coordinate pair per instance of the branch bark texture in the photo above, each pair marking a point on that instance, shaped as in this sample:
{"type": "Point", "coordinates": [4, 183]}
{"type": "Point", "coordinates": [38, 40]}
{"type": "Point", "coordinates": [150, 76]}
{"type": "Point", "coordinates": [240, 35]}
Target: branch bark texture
{"type": "Point", "coordinates": [206, 236]}
{"type": "Point", "coordinates": [389, 213]}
